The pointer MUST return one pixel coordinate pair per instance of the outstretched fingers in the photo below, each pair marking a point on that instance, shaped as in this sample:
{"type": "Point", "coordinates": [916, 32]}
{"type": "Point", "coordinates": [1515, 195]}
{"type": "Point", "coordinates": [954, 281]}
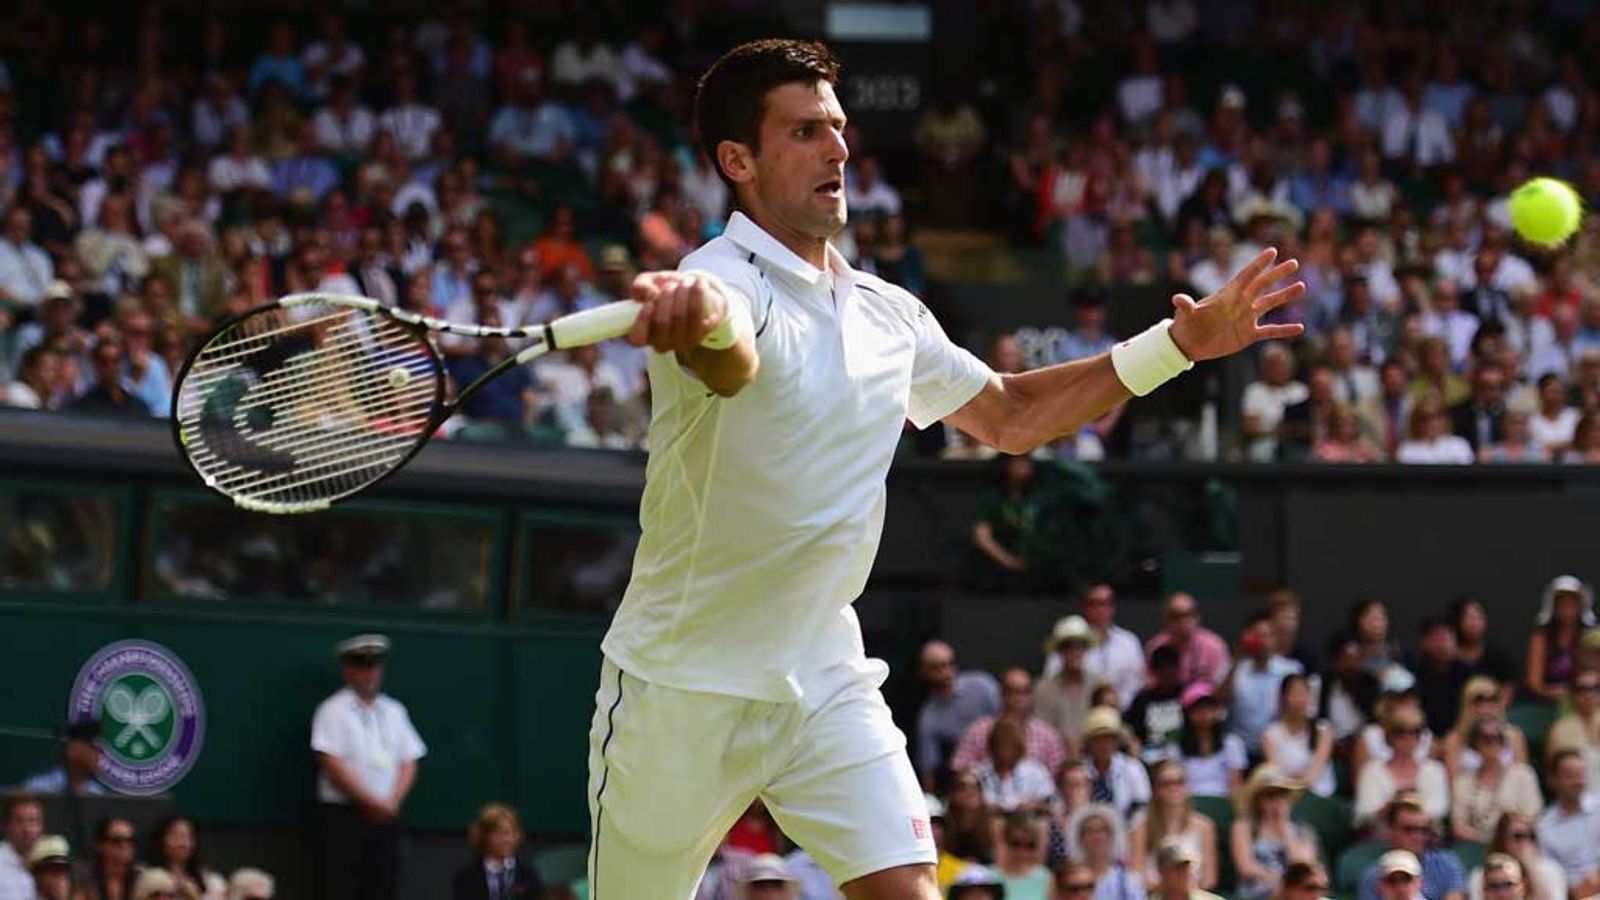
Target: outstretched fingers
{"type": "Point", "coordinates": [1252, 270]}
{"type": "Point", "coordinates": [1278, 332]}
{"type": "Point", "coordinates": [1286, 294]}
{"type": "Point", "coordinates": [1270, 277]}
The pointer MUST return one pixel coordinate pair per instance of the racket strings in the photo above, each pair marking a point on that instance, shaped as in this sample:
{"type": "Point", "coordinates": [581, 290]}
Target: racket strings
{"type": "Point", "coordinates": [294, 416]}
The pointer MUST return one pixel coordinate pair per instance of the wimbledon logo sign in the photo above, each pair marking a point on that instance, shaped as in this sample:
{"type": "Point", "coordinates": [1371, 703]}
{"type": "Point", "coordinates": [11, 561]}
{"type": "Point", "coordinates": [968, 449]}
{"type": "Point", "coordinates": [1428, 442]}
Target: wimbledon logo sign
{"type": "Point", "coordinates": [151, 715]}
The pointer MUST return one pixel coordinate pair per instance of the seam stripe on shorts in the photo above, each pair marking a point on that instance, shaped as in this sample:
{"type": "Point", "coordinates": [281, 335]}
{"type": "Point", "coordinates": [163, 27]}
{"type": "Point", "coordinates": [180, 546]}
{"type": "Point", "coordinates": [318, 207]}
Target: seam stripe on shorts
{"type": "Point", "coordinates": [599, 794]}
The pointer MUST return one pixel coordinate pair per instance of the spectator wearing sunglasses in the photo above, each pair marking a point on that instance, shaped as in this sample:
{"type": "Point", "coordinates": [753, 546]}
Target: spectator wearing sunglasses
{"type": "Point", "coordinates": [1569, 830]}
{"type": "Point", "coordinates": [1481, 698]}
{"type": "Point", "coordinates": [1410, 829]}
{"type": "Point", "coordinates": [1542, 877]}
{"type": "Point", "coordinates": [1502, 878]}
{"type": "Point", "coordinates": [1202, 653]}
{"type": "Point", "coordinates": [113, 868]}
{"type": "Point", "coordinates": [1019, 858]}
{"type": "Point", "coordinates": [1303, 881]}
{"type": "Point", "coordinates": [1579, 730]}
{"type": "Point", "coordinates": [1073, 881]}
{"type": "Point", "coordinates": [1380, 779]}
{"type": "Point", "coordinates": [1496, 786]}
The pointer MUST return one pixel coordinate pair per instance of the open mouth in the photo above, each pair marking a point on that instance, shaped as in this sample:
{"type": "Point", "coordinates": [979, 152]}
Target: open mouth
{"type": "Point", "coordinates": [831, 188]}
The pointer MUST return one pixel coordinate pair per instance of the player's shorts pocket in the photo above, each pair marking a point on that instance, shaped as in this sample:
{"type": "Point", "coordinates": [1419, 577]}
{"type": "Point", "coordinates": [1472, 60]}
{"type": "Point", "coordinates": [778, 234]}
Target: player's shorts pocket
{"type": "Point", "coordinates": [665, 764]}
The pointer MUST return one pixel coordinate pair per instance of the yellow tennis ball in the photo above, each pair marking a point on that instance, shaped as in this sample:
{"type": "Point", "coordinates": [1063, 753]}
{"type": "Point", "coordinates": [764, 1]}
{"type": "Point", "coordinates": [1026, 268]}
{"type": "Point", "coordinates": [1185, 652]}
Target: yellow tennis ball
{"type": "Point", "coordinates": [399, 377]}
{"type": "Point", "coordinates": [1545, 211]}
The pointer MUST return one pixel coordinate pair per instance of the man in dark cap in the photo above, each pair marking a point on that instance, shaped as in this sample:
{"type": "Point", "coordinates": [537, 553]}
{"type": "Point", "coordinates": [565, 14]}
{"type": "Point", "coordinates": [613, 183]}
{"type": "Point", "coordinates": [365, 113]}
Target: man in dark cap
{"type": "Point", "coordinates": [80, 764]}
{"type": "Point", "coordinates": [367, 752]}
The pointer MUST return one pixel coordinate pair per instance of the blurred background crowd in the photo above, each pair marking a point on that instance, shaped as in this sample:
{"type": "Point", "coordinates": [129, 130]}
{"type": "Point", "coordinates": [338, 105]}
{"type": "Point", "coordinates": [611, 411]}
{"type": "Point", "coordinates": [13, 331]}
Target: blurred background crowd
{"type": "Point", "coordinates": [160, 171]}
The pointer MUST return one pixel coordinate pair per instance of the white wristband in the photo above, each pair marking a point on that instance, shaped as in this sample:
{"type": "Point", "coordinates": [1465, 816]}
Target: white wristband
{"type": "Point", "coordinates": [1150, 359]}
{"type": "Point", "coordinates": [735, 324]}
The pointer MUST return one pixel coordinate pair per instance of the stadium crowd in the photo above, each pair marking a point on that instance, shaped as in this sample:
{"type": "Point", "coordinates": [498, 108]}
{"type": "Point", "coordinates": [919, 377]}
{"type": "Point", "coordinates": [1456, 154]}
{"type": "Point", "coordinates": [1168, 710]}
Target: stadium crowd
{"type": "Point", "coordinates": [505, 171]}
{"type": "Point", "coordinates": [1273, 765]}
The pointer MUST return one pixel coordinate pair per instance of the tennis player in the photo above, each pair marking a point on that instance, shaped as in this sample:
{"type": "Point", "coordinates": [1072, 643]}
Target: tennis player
{"type": "Point", "coordinates": [734, 668]}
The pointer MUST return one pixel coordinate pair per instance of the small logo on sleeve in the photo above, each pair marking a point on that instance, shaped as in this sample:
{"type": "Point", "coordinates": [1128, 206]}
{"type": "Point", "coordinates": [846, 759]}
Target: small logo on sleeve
{"type": "Point", "coordinates": [919, 828]}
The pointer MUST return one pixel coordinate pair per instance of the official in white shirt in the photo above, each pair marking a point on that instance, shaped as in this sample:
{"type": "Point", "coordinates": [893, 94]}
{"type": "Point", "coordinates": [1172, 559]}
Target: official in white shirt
{"type": "Point", "coordinates": [367, 752]}
{"type": "Point", "coordinates": [764, 503]}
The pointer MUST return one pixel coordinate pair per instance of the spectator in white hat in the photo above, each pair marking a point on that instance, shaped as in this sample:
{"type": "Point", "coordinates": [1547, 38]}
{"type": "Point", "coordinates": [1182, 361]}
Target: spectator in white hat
{"type": "Point", "coordinates": [251, 884]}
{"type": "Point", "coordinates": [977, 883]}
{"type": "Point", "coordinates": [1179, 865]}
{"type": "Point", "coordinates": [1566, 609]}
{"type": "Point", "coordinates": [1095, 838]}
{"type": "Point", "coordinates": [1400, 876]}
{"type": "Point", "coordinates": [367, 752]}
{"type": "Point", "coordinates": [155, 884]}
{"type": "Point", "coordinates": [1063, 699]}
{"type": "Point", "coordinates": [50, 862]}
{"type": "Point", "coordinates": [767, 877]}
{"type": "Point", "coordinates": [1115, 778]}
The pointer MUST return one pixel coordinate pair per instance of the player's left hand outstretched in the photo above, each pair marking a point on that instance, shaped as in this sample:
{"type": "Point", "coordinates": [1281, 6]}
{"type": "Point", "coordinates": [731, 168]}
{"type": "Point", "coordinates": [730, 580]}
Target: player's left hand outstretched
{"type": "Point", "coordinates": [1230, 319]}
{"type": "Point", "coordinates": [680, 308]}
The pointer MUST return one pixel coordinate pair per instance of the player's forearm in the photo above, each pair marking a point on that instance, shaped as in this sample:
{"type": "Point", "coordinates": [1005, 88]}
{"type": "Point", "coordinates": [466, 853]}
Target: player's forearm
{"type": "Point", "coordinates": [1045, 404]}
{"type": "Point", "coordinates": [726, 371]}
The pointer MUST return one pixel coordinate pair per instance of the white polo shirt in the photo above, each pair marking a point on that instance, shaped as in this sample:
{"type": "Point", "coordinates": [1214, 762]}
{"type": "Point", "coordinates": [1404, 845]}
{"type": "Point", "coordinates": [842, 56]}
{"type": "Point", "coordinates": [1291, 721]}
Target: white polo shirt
{"type": "Point", "coordinates": [762, 512]}
{"type": "Point", "coordinates": [373, 739]}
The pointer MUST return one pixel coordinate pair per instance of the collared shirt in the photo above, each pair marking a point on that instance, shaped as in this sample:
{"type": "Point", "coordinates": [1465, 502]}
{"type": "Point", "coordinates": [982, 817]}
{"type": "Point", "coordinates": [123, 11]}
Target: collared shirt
{"type": "Point", "coordinates": [1442, 874]}
{"type": "Point", "coordinates": [762, 512]}
{"type": "Point", "coordinates": [1028, 782]}
{"type": "Point", "coordinates": [1118, 660]}
{"type": "Point", "coordinates": [1255, 696]}
{"type": "Point", "coordinates": [1065, 704]}
{"type": "Point", "coordinates": [1044, 744]}
{"type": "Point", "coordinates": [372, 739]}
{"type": "Point", "coordinates": [501, 877]}
{"type": "Point", "coordinates": [1126, 782]}
{"type": "Point", "coordinates": [1572, 839]}
{"type": "Point", "coordinates": [1204, 658]}
{"type": "Point", "coordinates": [25, 272]}
{"type": "Point", "coordinates": [943, 719]}
{"type": "Point", "coordinates": [15, 881]}
{"type": "Point", "coordinates": [55, 781]}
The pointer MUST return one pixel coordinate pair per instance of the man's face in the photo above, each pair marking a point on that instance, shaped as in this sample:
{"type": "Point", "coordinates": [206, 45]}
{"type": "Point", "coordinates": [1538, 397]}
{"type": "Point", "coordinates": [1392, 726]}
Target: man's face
{"type": "Point", "coordinates": [938, 667]}
{"type": "Point", "coordinates": [1397, 886]}
{"type": "Point", "coordinates": [1182, 617]}
{"type": "Point", "coordinates": [19, 224]}
{"type": "Point", "coordinates": [1586, 692]}
{"type": "Point", "coordinates": [1439, 644]}
{"type": "Point", "coordinates": [364, 675]}
{"type": "Point", "coordinates": [1410, 831]}
{"type": "Point", "coordinates": [1177, 878]}
{"type": "Point", "coordinates": [1072, 654]}
{"type": "Point", "coordinates": [1016, 692]}
{"type": "Point", "coordinates": [1503, 883]}
{"type": "Point", "coordinates": [1491, 387]}
{"type": "Point", "coordinates": [107, 362]}
{"type": "Point", "coordinates": [1569, 779]}
{"type": "Point", "coordinates": [1099, 605]}
{"type": "Point", "coordinates": [83, 756]}
{"type": "Point", "coordinates": [24, 826]}
{"type": "Point", "coordinates": [52, 882]}
{"type": "Point", "coordinates": [797, 178]}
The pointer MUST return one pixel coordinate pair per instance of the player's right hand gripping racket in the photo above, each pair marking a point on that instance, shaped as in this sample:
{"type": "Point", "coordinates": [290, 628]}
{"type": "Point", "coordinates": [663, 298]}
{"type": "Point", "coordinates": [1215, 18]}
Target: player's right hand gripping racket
{"type": "Point", "coordinates": [297, 404]}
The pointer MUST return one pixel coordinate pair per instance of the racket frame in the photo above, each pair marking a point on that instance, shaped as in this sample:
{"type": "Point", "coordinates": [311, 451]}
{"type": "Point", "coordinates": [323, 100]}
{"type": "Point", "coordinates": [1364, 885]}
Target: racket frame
{"type": "Point", "coordinates": [544, 339]}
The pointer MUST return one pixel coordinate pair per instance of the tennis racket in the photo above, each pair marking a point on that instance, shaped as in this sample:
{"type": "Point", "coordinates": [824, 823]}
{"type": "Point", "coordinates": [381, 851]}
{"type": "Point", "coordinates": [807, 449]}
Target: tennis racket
{"type": "Point", "coordinates": [297, 404]}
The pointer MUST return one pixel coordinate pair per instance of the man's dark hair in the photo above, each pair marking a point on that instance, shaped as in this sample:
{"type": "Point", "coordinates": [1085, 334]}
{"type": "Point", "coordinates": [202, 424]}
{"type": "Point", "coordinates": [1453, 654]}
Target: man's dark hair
{"type": "Point", "coordinates": [16, 801]}
{"type": "Point", "coordinates": [1430, 624]}
{"type": "Point", "coordinates": [732, 95]}
{"type": "Point", "coordinates": [1561, 756]}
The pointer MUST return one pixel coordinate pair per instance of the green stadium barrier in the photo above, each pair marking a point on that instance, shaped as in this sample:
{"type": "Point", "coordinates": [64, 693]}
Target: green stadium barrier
{"type": "Point", "coordinates": [1220, 811]}
{"type": "Point", "coordinates": [1354, 861]}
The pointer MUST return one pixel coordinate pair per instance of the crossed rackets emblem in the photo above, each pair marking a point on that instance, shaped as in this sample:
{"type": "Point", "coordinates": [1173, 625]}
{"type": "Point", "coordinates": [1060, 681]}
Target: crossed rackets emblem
{"type": "Point", "coordinates": [136, 713]}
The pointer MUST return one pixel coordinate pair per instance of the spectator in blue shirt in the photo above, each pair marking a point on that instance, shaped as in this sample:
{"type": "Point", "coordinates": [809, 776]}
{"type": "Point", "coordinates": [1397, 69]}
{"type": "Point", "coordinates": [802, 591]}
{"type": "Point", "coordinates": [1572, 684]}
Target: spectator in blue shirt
{"type": "Point", "coordinates": [530, 126]}
{"type": "Point", "coordinates": [1409, 829]}
{"type": "Point", "coordinates": [1319, 186]}
{"type": "Point", "coordinates": [280, 63]}
{"type": "Point", "coordinates": [510, 400]}
{"type": "Point", "coordinates": [1255, 681]}
{"type": "Point", "coordinates": [308, 175]}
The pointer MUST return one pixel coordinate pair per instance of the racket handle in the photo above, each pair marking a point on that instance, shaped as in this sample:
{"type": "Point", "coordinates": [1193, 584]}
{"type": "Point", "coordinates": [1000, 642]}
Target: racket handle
{"type": "Point", "coordinates": [594, 325]}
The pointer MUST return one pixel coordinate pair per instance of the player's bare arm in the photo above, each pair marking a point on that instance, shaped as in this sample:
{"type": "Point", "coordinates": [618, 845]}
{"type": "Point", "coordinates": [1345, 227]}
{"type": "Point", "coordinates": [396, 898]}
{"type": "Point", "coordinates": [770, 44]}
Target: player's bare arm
{"type": "Point", "coordinates": [679, 310]}
{"type": "Point", "coordinates": [1016, 413]}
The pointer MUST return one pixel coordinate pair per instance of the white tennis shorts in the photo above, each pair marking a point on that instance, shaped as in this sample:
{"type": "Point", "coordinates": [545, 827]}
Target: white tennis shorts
{"type": "Point", "coordinates": [670, 771]}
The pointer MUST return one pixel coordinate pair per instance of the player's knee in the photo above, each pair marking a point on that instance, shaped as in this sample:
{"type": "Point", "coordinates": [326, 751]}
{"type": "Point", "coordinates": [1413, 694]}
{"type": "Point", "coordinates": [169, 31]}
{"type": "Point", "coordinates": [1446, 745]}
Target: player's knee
{"type": "Point", "coordinates": [914, 882]}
